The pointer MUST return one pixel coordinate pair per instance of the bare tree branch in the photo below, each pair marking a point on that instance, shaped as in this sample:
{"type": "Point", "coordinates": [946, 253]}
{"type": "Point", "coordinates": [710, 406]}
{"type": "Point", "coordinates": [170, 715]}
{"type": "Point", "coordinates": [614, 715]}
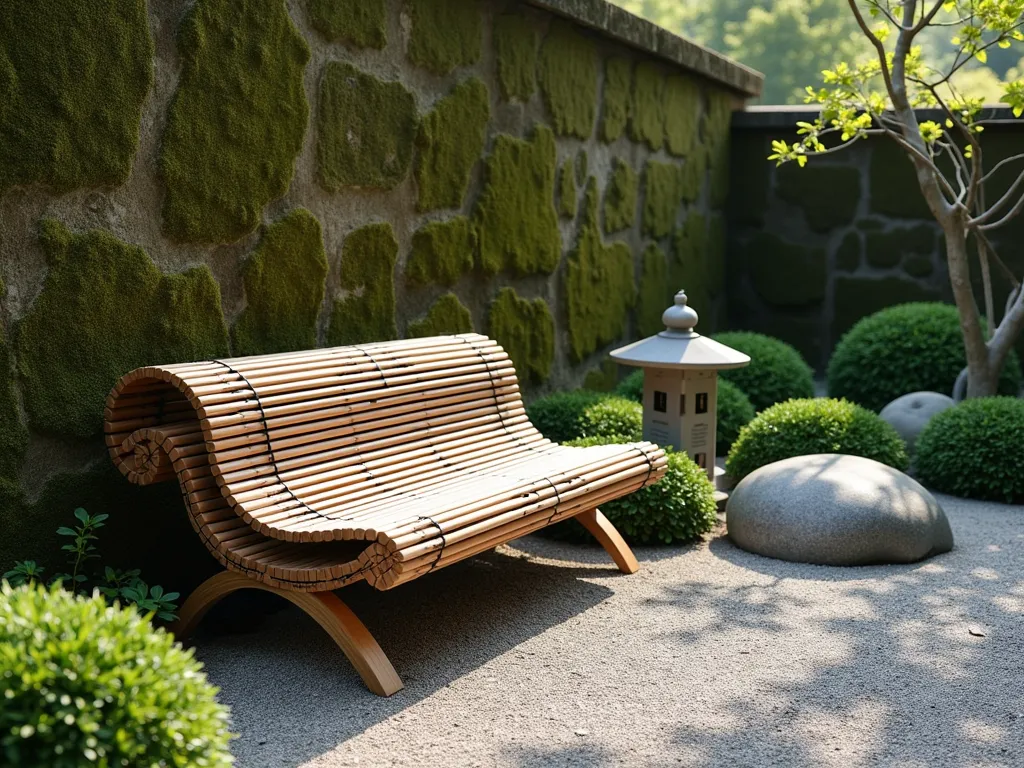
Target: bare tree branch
{"type": "Point", "coordinates": [987, 177]}
{"type": "Point", "coordinates": [985, 218]}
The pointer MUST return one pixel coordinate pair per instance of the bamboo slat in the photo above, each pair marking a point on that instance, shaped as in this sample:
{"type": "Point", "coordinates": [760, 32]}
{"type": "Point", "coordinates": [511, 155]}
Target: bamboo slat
{"type": "Point", "coordinates": [311, 470]}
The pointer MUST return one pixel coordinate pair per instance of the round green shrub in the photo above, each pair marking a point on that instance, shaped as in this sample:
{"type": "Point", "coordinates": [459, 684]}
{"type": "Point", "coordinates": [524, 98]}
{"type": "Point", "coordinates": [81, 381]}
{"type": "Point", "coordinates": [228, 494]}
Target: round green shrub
{"type": "Point", "coordinates": [612, 417]}
{"type": "Point", "coordinates": [678, 508]}
{"type": "Point", "coordinates": [803, 427]}
{"type": "Point", "coordinates": [732, 411]}
{"type": "Point", "coordinates": [556, 416]}
{"type": "Point", "coordinates": [776, 372]}
{"type": "Point", "coordinates": [902, 349]}
{"type": "Point", "coordinates": [582, 413]}
{"type": "Point", "coordinates": [632, 386]}
{"type": "Point", "coordinates": [84, 683]}
{"type": "Point", "coordinates": [973, 450]}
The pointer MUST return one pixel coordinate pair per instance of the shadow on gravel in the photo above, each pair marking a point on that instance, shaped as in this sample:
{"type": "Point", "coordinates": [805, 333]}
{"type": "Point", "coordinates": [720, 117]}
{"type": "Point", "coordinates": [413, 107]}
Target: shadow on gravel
{"type": "Point", "coordinates": [297, 695]}
{"type": "Point", "coordinates": [904, 680]}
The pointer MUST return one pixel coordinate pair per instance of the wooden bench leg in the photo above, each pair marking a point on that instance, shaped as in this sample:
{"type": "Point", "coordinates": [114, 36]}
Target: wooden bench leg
{"type": "Point", "coordinates": [325, 608]}
{"type": "Point", "coordinates": [610, 539]}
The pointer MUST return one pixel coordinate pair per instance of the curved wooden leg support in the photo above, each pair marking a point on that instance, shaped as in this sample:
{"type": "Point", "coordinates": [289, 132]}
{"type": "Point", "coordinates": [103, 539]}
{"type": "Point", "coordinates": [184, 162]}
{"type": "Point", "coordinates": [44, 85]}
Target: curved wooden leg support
{"type": "Point", "coordinates": [325, 608]}
{"type": "Point", "coordinates": [610, 539]}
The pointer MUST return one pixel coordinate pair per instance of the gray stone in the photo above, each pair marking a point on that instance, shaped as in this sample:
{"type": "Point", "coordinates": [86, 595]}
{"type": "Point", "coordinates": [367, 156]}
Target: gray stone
{"type": "Point", "coordinates": [836, 510]}
{"type": "Point", "coordinates": [909, 414]}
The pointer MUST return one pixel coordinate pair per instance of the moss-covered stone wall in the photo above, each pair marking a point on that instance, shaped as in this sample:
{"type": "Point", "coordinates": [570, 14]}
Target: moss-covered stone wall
{"type": "Point", "coordinates": [191, 179]}
{"type": "Point", "coordinates": [812, 250]}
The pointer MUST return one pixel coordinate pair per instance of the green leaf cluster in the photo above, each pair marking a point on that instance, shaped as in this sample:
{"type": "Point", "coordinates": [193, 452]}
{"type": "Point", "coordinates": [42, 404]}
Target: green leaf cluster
{"type": "Point", "coordinates": [805, 427]}
{"type": "Point", "coordinates": [86, 683]}
{"type": "Point", "coordinates": [973, 450]}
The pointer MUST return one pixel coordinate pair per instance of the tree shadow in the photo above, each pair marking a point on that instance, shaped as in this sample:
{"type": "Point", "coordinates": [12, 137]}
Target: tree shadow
{"type": "Point", "coordinates": [297, 691]}
{"type": "Point", "coordinates": [896, 676]}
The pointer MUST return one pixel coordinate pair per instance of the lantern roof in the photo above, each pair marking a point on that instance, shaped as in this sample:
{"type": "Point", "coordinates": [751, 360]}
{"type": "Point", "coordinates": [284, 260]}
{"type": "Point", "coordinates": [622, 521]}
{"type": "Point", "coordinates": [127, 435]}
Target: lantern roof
{"type": "Point", "coordinates": [679, 346]}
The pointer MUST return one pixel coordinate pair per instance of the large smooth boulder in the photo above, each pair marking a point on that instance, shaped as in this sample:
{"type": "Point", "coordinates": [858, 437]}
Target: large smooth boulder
{"type": "Point", "coordinates": [836, 510]}
{"type": "Point", "coordinates": [909, 414]}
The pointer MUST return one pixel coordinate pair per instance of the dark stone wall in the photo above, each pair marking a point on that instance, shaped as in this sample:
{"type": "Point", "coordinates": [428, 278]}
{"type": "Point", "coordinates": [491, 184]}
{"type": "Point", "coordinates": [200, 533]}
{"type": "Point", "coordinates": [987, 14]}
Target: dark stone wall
{"type": "Point", "coordinates": [812, 250]}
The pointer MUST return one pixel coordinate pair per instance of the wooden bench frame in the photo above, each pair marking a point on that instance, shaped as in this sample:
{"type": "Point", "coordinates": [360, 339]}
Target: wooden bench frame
{"type": "Point", "coordinates": [305, 472]}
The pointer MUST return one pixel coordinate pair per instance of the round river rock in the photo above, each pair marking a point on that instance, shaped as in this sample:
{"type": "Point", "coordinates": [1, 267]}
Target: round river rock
{"type": "Point", "coordinates": [830, 509]}
{"type": "Point", "coordinates": [909, 414]}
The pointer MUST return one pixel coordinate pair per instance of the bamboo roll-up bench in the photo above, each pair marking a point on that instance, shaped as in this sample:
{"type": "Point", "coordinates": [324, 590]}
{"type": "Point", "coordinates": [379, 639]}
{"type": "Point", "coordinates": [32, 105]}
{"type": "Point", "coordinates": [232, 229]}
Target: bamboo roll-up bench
{"type": "Point", "coordinates": [308, 471]}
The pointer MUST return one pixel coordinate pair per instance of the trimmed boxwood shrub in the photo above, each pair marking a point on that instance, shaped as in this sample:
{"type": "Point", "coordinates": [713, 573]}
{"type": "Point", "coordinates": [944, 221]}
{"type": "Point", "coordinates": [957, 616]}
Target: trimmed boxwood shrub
{"type": "Point", "coordinates": [903, 349]}
{"type": "Point", "coordinates": [776, 372]}
{"type": "Point", "coordinates": [582, 413]}
{"type": "Point", "coordinates": [733, 410]}
{"type": "Point", "coordinates": [89, 684]}
{"type": "Point", "coordinates": [973, 450]}
{"type": "Point", "coordinates": [803, 427]}
{"type": "Point", "coordinates": [678, 508]}
{"type": "Point", "coordinates": [632, 386]}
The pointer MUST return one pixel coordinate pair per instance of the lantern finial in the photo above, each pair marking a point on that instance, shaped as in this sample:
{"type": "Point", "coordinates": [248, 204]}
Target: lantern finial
{"type": "Point", "coordinates": [679, 318]}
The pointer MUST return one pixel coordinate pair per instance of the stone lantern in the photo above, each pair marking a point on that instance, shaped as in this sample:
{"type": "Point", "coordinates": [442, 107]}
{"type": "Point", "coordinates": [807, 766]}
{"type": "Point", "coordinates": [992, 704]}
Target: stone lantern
{"type": "Point", "coordinates": [681, 383]}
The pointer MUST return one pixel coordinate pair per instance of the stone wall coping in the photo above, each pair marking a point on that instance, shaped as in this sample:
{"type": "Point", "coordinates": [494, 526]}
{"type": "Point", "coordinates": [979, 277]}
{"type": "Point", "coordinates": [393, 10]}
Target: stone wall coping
{"type": "Point", "coordinates": [785, 116]}
{"type": "Point", "coordinates": [621, 25]}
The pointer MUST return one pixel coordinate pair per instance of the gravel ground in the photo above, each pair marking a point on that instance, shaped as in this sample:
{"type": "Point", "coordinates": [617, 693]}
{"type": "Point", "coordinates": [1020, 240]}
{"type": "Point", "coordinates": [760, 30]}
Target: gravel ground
{"type": "Point", "coordinates": [540, 654]}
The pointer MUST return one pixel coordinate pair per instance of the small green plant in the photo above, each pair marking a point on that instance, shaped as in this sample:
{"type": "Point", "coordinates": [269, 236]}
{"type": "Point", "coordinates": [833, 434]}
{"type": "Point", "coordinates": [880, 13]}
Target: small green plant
{"type": "Point", "coordinates": [613, 418]}
{"type": "Point", "coordinates": [907, 348]}
{"type": "Point", "coordinates": [556, 416]}
{"type": "Point", "coordinates": [678, 508]}
{"type": "Point", "coordinates": [776, 372]}
{"type": "Point", "coordinates": [124, 586]}
{"type": "Point", "coordinates": [732, 412]}
{"type": "Point", "coordinates": [88, 684]}
{"type": "Point", "coordinates": [973, 450]}
{"type": "Point", "coordinates": [804, 427]}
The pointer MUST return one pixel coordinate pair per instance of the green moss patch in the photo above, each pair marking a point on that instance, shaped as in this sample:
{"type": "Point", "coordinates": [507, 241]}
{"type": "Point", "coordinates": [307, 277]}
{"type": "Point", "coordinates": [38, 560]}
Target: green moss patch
{"type": "Point", "coordinates": [445, 34]}
{"type": "Point", "coordinates": [363, 23]}
{"type": "Point", "coordinates": [368, 274]}
{"type": "Point", "coordinates": [515, 214]}
{"type": "Point", "coordinates": [526, 330]}
{"type": "Point", "coordinates": [689, 266]}
{"type": "Point", "coordinates": [647, 105]}
{"type": "Point", "coordinates": [786, 274]}
{"type": "Point", "coordinates": [618, 81]}
{"type": "Point", "coordinates": [663, 192]}
{"type": "Point", "coordinates": [655, 291]}
{"type": "Point", "coordinates": [104, 310]}
{"type": "Point", "coordinates": [620, 197]}
{"type": "Point", "coordinates": [236, 122]}
{"type": "Point", "coordinates": [515, 50]}
{"type": "Point", "coordinates": [567, 202]}
{"type": "Point", "coordinates": [366, 129]}
{"type": "Point", "coordinates": [716, 135]}
{"type": "Point", "coordinates": [567, 70]}
{"type": "Point", "coordinates": [582, 167]}
{"type": "Point", "coordinates": [848, 253]}
{"type": "Point", "coordinates": [442, 251]}
{"type": "Point", "coordinates": [681, 114]}
{"type": "Point", "coordinates": [887, 249]}
{"type": "Point", "coordinates": [451, 139]}
{"type": "Point", "coordinates": [827, 194]}
{"type": "Point", "coordinates": [13, 435]}
{"type": "Point", "coordinates": [446, 315]}
{"type": "Point", "coordinates": [599, 284]}
{"type": "Point", "coordinates": [73, 79]}
{"type": "Point", "coordinates": [285, 279]}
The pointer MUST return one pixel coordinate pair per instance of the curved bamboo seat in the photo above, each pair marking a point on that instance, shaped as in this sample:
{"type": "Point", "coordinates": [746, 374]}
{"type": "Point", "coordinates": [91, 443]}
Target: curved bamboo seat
{"type": "Point", "coordinates": [308, 471]}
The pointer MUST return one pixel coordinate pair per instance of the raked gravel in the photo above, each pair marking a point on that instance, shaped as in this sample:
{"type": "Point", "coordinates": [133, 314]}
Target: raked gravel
{"type": "Point", "coordinates": [541, 654]}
